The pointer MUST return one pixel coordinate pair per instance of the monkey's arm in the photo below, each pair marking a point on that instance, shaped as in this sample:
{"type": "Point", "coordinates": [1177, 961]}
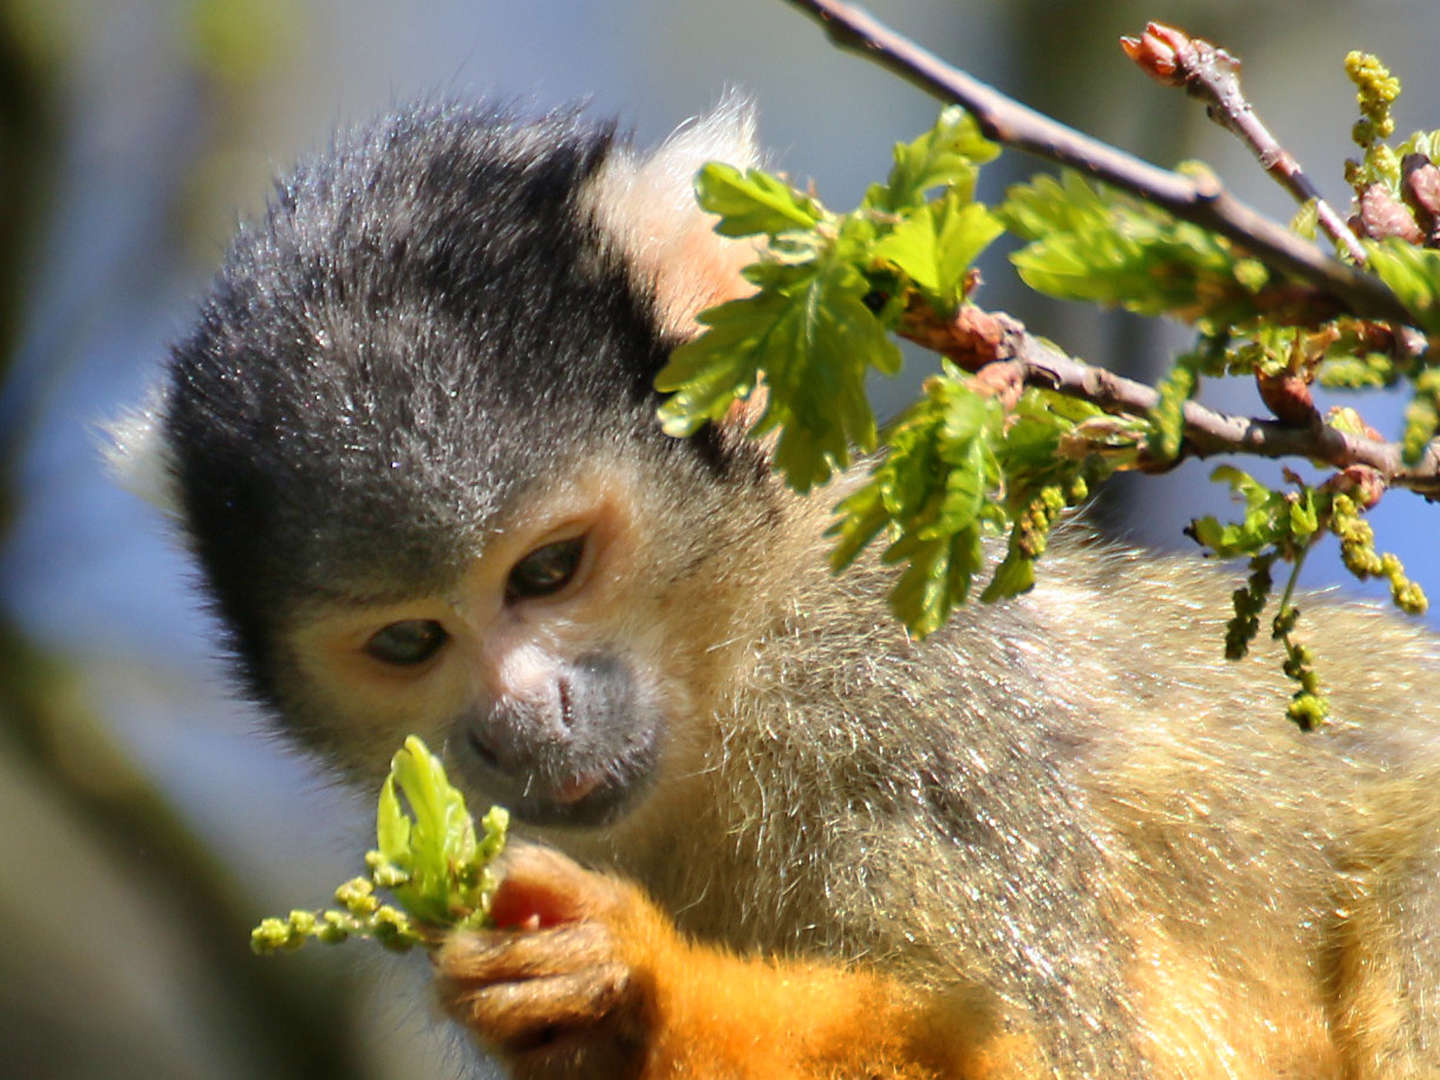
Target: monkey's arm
{"type": "Point", "coordinates": [585, 977]}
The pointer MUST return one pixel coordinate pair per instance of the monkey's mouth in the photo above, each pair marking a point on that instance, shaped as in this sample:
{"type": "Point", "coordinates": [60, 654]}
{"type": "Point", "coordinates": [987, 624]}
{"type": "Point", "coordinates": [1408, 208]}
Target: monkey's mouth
{"type": "Point", "coordinates": [588, 793]}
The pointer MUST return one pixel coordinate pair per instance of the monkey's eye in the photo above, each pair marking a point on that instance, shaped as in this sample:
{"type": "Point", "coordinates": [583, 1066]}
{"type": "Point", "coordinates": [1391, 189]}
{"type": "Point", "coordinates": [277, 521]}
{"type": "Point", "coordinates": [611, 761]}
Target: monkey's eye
{"type": "Point", "coordinates": [407, 643]}
{"type": "Point", "coordinates": [545, 570]}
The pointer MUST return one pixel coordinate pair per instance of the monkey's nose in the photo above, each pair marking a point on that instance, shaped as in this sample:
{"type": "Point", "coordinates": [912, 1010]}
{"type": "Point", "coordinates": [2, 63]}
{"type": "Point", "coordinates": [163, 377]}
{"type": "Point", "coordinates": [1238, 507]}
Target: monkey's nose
{"type": "Point", "coordinates": [523, 738]}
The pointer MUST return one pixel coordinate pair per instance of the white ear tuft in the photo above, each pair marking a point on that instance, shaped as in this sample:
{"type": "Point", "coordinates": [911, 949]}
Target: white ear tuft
{"type": "Point", "coordinates": [726, 133]}
{"type": "Point", "coordinates": [647, 205]}
{"type": "Point", "coordinates": [137, 456]}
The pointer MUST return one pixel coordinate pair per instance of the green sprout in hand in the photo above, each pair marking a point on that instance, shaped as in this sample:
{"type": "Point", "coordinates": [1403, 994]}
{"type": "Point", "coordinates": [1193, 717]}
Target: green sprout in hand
{"type": "Point", "coordinates": [433, 863]}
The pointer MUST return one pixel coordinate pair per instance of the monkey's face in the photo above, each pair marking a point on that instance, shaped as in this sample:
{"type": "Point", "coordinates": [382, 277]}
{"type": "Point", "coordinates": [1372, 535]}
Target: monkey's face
{"type": "Point", "coordinates": [411, 442]}
{"type": "Point", "coordinates": [542, 670]}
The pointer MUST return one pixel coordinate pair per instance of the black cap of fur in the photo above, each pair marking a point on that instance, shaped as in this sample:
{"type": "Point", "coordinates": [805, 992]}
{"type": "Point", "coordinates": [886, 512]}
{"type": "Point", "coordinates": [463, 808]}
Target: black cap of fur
{"type": "Point", "coordinates": [332, 415]}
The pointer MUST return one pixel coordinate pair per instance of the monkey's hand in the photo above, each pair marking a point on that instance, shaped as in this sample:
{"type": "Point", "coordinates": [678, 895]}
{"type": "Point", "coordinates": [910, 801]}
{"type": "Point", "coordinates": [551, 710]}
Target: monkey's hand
{"type": "Point", "coordinates": [552, 988]}
{"type": "Point", "coordinates": [584, 976]}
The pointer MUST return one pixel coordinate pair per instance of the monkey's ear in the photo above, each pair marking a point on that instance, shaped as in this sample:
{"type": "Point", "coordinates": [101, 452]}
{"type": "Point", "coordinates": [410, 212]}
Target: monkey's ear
{"type": "Point", "coordinates": [646, 203]}
{"type": "Point", "coordinates": [138, 456]}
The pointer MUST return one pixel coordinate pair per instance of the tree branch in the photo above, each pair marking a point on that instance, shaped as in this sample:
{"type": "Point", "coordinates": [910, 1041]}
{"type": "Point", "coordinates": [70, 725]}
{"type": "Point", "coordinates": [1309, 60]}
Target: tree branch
{"type": "Point", "coordinates": [975, 339]}
{"type": "Point", "coordinates": [1201, 200]}
{"type": "Point", "coordinates": [1174, 58]}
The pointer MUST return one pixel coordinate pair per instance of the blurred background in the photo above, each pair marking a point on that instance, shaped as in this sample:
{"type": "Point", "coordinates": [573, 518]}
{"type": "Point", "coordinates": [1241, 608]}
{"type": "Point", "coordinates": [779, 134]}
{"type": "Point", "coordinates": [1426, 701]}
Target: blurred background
{"type": "Point", "coordinates": [146, 820]}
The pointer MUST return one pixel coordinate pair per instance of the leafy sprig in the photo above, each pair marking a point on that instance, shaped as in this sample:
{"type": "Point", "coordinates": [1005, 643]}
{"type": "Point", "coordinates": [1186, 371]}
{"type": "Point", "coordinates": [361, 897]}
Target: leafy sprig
{"type": "Point", "coordinates": [1285, 526]}
{"type": "Point", "coordinates": [430, 858]}
{"type": "Point", "coordinates": [821, 315]}
{"type": "Point", "coordinates": [1095, 244]}
{"type": "Point", "coordinates": [1013, 431]}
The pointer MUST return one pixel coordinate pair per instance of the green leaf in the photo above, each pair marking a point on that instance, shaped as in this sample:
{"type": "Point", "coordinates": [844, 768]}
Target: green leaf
{"type": "Point", "coordinates": [912, 247]}
{"type": "Point", "coordinates": [1097, 245]}
{"type": "Point", "coordinates": [815, 375]}
{"type": "Point", "coordinates": [1306, 221]}
{"type": "Point", "coordinates": [1413, 275]}
{"type": "Point", "coordinates": [392, 827]}
{"type": "Point", "coordinates": [935, 244]}
{"type": "Point", "coordinates": [936, 580]}
{"type": "Point", "coordinates": [1304, 516]}
{"type": "Point", "coordinates": [708, 373]}
{"type": "Point", "coordinates": [945, 156]}
{"type": "Point", "coordinates": [814, 337]}
{"type": "Point", "coordinates": [1242, 484]}
{"type": "Point", "coordinates": [965, 230]}
{"type": "Point", "coordinates": [862, 517]}
{"type": "Point", "coordinates": [753, 202]}
{"type": "Point", "coordinates": [1208, 532]}
{"type": "Point", "coordinates": [1014, 575]}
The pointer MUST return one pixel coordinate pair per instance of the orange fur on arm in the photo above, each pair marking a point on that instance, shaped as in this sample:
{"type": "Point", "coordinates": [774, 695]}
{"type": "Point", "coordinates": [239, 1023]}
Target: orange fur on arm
{"type": "Point", "coordinates": [588, 978]}
{"type": "Point", "coordinates": [716, 1014]}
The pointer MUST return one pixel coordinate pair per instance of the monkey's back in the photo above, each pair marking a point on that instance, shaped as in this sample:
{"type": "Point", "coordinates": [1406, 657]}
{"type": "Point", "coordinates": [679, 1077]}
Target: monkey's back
{"type": "Point", "coordinates": [1072, 808]}
{"type": "Point", "coordinates": [1283, 887]}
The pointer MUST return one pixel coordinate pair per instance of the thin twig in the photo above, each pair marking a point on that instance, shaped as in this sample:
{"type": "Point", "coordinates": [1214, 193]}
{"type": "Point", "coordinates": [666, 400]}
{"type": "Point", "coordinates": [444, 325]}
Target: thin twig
{"type": "Point", "coordinates": [1173, 58]}
{"type": "Point", "coordinates": [976, 338]}
{"type": "Point", "coordinates": [1198, 199]}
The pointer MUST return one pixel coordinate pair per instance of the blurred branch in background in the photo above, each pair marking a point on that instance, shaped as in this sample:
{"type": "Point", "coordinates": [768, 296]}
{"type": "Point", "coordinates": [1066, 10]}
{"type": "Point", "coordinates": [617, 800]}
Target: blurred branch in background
{"type": "Point", "coordinates": [126, 938]}
{"type": "Point", "coordinates": [102, 873]}
{"type": "Point", "coordinates": [28, 134]}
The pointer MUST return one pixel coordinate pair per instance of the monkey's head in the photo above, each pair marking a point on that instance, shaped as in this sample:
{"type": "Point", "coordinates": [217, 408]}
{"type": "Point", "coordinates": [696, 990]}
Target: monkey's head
{"type": "Point", "coordinates": [412, 443]}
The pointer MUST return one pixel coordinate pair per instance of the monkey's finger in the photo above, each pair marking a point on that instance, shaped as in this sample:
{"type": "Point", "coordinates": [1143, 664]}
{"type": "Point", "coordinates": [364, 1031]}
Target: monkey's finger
{"type": "Point", "coordinates": [509, 956]}
{"type": "Point", "coordinates": [516, 1016]}
{"type": "Point", "coordinates": [540, 887]}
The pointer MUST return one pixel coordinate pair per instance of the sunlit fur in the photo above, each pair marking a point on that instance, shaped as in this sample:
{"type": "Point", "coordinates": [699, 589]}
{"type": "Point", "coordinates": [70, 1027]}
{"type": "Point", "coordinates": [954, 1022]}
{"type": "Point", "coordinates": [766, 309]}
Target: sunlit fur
{"type": "Point", "coordinates": [1074, 802]}
{"type": "Point", "coordinates": [1064, 822]}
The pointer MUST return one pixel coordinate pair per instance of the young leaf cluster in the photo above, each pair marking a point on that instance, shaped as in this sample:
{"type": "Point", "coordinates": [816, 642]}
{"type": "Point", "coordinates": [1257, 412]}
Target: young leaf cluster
{"type": "Point", "coordinates": [1275, 526]}
{"type": "Point", "coordinates": [1285, 526]}
{"type": "Point", "coordinates": [430, 858]}
{"type": "Point", "coordinates": [824, 304]}
{"type": "Point", "coordinates": [1091, 243]}
{"type": "Point", "coordinates": [829, 293]}
{"type": "Point", "coordinates": [960, 467]}
{"type": "Point", "coordinates": [933, 492]}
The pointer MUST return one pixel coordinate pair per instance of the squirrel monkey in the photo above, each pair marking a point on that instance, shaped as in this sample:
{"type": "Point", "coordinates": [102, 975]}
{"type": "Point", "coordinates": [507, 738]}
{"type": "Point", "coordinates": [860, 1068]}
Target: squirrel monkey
{"type": "Point", "coordinates": [411, 442]}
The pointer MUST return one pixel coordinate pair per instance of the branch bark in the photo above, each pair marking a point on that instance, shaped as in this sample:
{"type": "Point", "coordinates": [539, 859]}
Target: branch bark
{"type": "Point", "coordinates": [976, 339]}
{"type": "Point", "coordinates": [1174, 58]}
{"type": "Point", "coordinates": [1202, 200]}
